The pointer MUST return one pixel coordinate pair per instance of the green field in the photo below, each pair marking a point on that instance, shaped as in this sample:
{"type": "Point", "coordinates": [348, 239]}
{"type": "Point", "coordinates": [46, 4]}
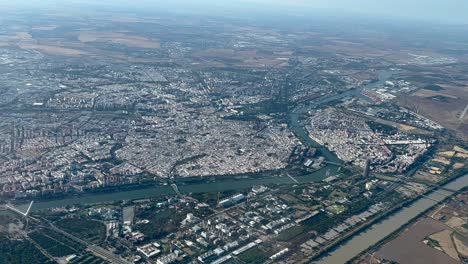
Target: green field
{"type": "Point", "coordinates": [336, 209]}
{"type": "Point", "coordinates": [291, 233]}
{"type": "Point", "coordinates": [54, 247]}
{"type": "Point", "coordinates": [255, 255]}
{"type": "Point", "coordinates": [89, 230]}
{"type": "Point", "coordinates": [20, 251]}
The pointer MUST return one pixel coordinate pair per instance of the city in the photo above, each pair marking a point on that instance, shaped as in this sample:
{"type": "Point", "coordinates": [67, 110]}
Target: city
{"type": "Point", "coordinates": [136, 137]}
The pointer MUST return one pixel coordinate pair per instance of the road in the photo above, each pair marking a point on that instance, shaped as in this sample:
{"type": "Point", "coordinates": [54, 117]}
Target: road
{"type": "Point", "coordinates": [107, 255]}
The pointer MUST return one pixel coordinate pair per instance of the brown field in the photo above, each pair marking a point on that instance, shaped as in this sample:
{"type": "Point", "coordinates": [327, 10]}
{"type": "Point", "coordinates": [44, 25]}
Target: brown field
{"type": "Point", "coordinates": [406, 127]}
{"type": "Point", "coordinates": [445, 113]}
{"type": "Point", "coordinates": [461, 155]}
{"type": "Point", "coordinates": [225, 54]}
{"type": "Point", "coordinates": [459, 149]}
{"type": "Point", "coordinates": [24, 35]}
{"type": "Point", "coordinates": [445, 241]}
{"type": "Point", "coordinates": [441, 160]}
{"type": "Point", "coordinates": [54, 50]}
{"type": "Point", "coordinates": [427, 177]}
{"type": "Point", "coordinates": [461, 244]}
{"type": "Point", "coordinates": [429, 93]}
{"type": "Point", "coordinates": [240, 58]}
{"type": "Point", "coordinates": [119, 38]}
{"type": "Point", "coordinates": [408, 247]}
{"type": "Point", "coordinates": [45, 28]}
{"type": "Point", "coordinates": [447, 154]}
{"type": "Point", "coordinates": [455, 222]}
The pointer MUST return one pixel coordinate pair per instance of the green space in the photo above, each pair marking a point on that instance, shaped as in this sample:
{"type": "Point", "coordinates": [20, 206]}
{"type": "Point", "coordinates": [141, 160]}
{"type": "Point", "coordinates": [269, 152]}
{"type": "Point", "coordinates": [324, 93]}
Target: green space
{"type": "Point", "coordinates": [211, 198]}
{"type": "Point", "coordinates": [433, 243]}
{"type": "Point", "coordinates": [255, 255]}
{"type": "Point", "coordinates": [20, 251]}
{"type": "Point", "coordinates": [433, 87]}
{"type": "Point", "coordinates": [336, 209]}
{"type": "Point", "coordinates": [54, 247]}
{"type": "Point", "coordinates": [64, 240]}
{"type": "Point", "coordinates": [268, 107]}
{"type": "Point", "coordinates": [161, 222]}
{"type": "Point", "coordinates": [337, 195]}
{"type": "Point", "coordinates": [320, 223]}
{"type": "Point", "coordinates": [89, 230]}
{"type": "Point", "coordinates": [291, 233]}
{"type": "Point", "coordinates": [383, 128]}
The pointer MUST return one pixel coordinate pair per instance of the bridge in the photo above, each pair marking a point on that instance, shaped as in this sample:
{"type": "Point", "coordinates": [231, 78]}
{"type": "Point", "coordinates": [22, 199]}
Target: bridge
{"type": "Point", "coordinates": [339, 164]}
{"type": "Point", "coordinates": [99, 251]}
{"type": "Point", "coordinates": [26, 214]}
{"type": "Point", "coordinates": [176, 188]}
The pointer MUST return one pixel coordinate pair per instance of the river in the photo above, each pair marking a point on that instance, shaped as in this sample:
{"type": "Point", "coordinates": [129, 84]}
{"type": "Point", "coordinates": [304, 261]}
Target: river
{"type": "Point", "coordinates": [392, 223]}
{"type": "Point", "coordinates": [164, 190]}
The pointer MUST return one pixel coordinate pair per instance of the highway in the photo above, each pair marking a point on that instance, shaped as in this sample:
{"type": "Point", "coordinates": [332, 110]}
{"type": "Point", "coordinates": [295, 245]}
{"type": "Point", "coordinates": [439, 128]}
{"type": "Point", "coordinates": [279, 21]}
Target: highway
{"type": "Point", "coordinates": [107, 255]}
{"type": "Point", "coordinates": [99, 251]}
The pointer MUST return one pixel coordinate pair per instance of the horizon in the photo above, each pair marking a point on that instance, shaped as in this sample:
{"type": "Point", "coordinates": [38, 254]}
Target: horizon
{"type": "Point", "coordinates": [434, 12]}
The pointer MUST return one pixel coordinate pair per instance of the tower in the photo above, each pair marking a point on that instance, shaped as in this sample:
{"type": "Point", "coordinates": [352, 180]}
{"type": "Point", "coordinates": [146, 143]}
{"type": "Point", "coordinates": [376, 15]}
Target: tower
{"type": "Point", "coordinates": [12, 138]}
{"type": "Point", "coordinates": [367, 168]}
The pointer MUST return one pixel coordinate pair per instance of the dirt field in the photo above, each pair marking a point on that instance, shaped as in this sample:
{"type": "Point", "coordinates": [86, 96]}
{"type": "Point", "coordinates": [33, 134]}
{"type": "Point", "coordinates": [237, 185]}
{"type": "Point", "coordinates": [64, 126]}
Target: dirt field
{"type": "Point", "coordinates": [445, 241]}
{"type": "Point", "coordinates": [408, 247]}
{"type": "Point", "coordinates": [45, 28]}
{"type": "Point", "coordinates": [119, 38]}
{"type": "Point", "coordinates": [406, 127]}
{"type": "Point", "coordinates": [427, 177]}
{"type": "Point", "coordinates": [445, 113]}
{"type": "Point", "coordinates": [54, 50]}
{"type": "Point", "coordinates": [461, 246]}
{"type": "Point", "coordinates": [429, 93]}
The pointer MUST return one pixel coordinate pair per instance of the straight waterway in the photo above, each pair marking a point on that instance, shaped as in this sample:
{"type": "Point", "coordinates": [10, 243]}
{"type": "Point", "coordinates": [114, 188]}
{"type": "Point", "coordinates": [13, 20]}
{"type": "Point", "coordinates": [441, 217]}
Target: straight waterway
{"type": "Point", "coordinates": [392, 223]}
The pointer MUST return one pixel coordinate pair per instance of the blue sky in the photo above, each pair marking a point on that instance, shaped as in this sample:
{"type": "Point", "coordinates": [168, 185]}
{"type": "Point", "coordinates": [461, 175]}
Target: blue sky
{"type": "Point", "coordinates": [437, 11]}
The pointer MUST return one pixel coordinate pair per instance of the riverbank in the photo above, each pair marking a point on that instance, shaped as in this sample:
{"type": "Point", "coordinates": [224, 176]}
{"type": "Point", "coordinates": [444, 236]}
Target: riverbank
{"type": "Point", "coordinates": [382, 217]}
{"type": "Point", "coordinates": [380, 230]}
{"type": "Point", "coordinates": [205, 185]}
{"type": "Point", "coordinates": [410, 223]}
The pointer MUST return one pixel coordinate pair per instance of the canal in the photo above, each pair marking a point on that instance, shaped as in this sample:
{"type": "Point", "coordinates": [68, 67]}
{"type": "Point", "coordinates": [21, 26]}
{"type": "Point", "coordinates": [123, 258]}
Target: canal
{"type": "Point", "coordinates": [390, 224]}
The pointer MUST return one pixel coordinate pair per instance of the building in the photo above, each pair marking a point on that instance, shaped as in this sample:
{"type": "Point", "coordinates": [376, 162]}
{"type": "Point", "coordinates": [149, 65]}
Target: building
{"type": "Point", "coordinates": [367, 168]}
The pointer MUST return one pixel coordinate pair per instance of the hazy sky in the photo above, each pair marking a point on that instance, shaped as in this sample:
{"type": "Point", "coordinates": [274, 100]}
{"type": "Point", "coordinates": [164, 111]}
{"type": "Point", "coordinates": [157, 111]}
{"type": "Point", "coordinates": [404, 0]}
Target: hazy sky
{"type": "Point", "coordinates": [438, 11]}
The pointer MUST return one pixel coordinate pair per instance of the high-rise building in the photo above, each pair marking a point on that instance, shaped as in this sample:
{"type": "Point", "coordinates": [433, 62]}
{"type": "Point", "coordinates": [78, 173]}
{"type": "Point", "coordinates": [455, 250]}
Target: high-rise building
{"type": "Point", "coordinates": [367, 168]}
{"type": "Point", "coordinates": [12, 138]}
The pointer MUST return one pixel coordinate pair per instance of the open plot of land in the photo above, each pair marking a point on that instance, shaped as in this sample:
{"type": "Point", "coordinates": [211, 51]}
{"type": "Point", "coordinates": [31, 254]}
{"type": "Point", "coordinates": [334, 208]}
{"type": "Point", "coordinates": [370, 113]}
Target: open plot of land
{"type": "Point", "coordinates": [409, 248]}
{"type": "Point", "coordinates": [444, 107]}
{"type": "Point", "coordinates": [462, 245]}
{"type": "Point", "coordinates": [445, 241]}
{"type": "Point", "coordinates": [119, 38]}
{"type": "Point", "coordinates": [54, 50]}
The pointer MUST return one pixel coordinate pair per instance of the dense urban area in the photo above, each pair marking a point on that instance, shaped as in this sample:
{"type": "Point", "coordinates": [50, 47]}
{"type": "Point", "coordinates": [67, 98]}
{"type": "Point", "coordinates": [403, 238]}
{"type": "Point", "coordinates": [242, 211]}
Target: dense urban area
{"type": "Point", "coordinates": [191, 139]}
